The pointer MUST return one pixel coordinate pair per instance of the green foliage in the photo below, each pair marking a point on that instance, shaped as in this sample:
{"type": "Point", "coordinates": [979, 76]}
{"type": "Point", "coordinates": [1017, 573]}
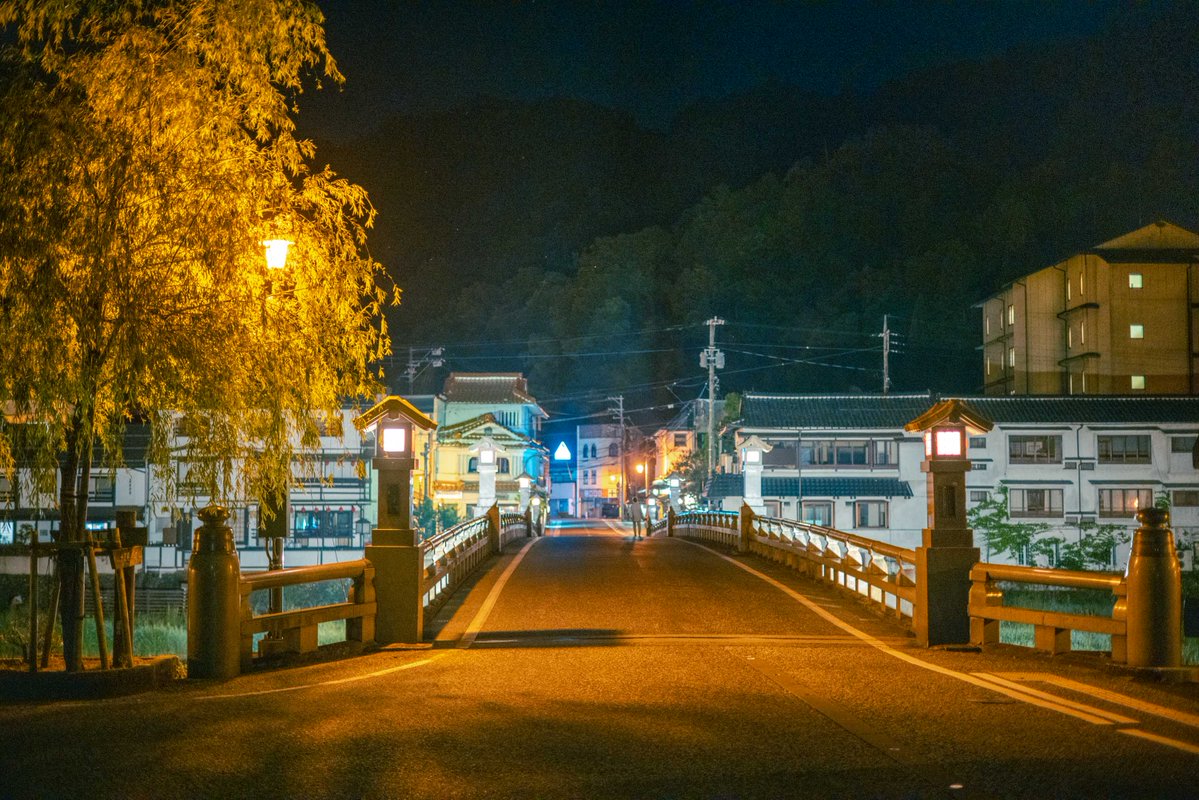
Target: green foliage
{"type": "Point", "coordinates": [431, 518]}
{"type": "Point", "coordinates": [1094, 548]}
{"type": "Point", "coordinates": [990, 519]}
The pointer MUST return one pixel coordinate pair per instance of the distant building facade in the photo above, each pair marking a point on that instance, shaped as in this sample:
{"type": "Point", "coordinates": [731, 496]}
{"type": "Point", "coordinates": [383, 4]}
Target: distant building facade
{"type": "Point", "coordinates": [1120, 318]}
{"type": "Point", "coordinates": [845, 461]}
{"type": "Point", "coordinates": [600, 481]}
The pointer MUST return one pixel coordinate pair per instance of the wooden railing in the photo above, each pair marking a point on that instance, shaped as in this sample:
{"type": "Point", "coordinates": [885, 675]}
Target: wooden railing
{"type": "Point", "coordinates": [298, 627]}
{"type": "Point", "coordinates": [1051, 629]}
{"type": "Point", "coordinates": [454, 554]}
{"type": "Point", "coordinates": [719, 527]}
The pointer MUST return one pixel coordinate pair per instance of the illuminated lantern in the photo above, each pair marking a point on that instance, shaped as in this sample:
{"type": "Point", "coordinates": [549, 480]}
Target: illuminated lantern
{"type": "Point", "coordinates": [276, 252]}
{"type": "Point", "coordinates": [393, 421]}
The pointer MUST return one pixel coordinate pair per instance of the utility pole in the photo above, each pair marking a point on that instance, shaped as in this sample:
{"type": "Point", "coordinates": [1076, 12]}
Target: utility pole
{"type": "Point", "coordinates": [886, 355]}
{"type": "Point", "coordinates": [713, 359]}
{"type": "Point", "coordinates": [619, 411]}
{"type": "Point", "coordinates": [429, 357]}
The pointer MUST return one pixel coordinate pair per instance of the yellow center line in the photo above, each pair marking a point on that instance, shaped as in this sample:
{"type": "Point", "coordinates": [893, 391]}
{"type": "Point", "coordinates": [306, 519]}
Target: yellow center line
{"type": "Point", "coordinates": [480, 618]}
{"type": "Point", "coordinates": [333, 682]}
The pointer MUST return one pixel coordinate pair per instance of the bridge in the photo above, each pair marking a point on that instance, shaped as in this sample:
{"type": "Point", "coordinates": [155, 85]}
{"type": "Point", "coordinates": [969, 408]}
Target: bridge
{"type": "Point", "coordinates": [709, 660]}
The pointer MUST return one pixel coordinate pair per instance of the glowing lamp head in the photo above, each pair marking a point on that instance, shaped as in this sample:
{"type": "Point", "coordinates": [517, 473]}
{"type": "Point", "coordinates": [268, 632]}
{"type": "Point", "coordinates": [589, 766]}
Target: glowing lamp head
{"type": "Point", "coordinates": [393, 438]}
{"type": "Point", "coordinates": [487, 456]}
{"type": "Point", "coordinates": [675, 483]}
{"type": "Point", "coordinates": [752, 456]}
{"type": "Point", "coordinates": [640, 468]}
{"type": "Point", "coordinates": [276, 252]}
{"type": "Point", "coordinates": [945, 442]}
{"type": "Point", "coordinates": [524, 481]}
{"type": "Point", "coordinates": [535, 502]}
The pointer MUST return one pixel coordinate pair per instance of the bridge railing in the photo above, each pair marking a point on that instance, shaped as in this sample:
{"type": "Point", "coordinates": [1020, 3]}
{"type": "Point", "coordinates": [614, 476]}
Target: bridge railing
{"type": "Point", "coordinates": [880, 573]}
{"type": "Point", "coordinates": [1051, 629]}
{"type": "Point", "coordinates": [298, 627]}
{"type": "Point", "coordinates": [453, 555]}
{"type": "Point", "coordinates": [883, 574]}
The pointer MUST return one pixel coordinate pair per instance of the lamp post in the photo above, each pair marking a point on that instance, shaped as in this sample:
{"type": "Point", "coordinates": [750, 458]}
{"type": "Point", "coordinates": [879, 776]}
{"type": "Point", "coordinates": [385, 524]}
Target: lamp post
{"type": "Point", "coordinates": [673, 492]}
{"type": "Point", "coordinates": [274, 521]}
{"type": "Point", "coordinates": [947, 552]}
{"type": "Point", "coordinates": [525, 481]}
{"type": "Point", "coordinates": [751, 472]}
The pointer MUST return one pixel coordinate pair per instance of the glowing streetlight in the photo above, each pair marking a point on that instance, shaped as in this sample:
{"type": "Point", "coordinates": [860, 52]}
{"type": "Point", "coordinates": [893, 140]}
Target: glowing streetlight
{"type": "Point", "coordinates": [276, 252]}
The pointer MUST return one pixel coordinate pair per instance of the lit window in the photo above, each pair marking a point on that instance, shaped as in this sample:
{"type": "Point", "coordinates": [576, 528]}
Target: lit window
{"type": "Point", "coordinates": [1082, 334]}
{"type": "Point", "coordinates": [1136, 331]}
{"type": "Point", "coordinates": [1011, 315]}
{"type": "Point", "coordinates": [1069, 338]}
{"type": "Point", "coordinates": [1011, 357]}
{"type": "Point", "coordinates": [1135, 280]}
{"type": "Point", "coordinates": [1137, 382]}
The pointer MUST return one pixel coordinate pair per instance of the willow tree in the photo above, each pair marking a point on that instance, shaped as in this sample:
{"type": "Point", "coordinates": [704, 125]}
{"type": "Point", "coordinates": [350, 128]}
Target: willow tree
{"type": "Point", "coordinates": [147, 148]}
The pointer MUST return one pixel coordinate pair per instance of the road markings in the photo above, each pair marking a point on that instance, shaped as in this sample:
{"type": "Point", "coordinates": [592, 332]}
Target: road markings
{"type": "Point", "coordinates": [1115, 698]}
{"type": "Point", "coordinates": [334, 682]}
{"type": "Point", "coordinates": [1020, 693]}
{"type": "Point", "coordinates": [1177, 744]}
{"type": "Point", "coordinates": [480, 618]}
{"type": "Point", "coordinates": [1085, 711]}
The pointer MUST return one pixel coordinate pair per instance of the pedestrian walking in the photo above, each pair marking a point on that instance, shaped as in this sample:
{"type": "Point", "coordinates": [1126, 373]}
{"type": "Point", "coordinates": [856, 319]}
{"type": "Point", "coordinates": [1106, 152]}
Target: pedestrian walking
{"type": "Point", "coordinates": [637, 515]}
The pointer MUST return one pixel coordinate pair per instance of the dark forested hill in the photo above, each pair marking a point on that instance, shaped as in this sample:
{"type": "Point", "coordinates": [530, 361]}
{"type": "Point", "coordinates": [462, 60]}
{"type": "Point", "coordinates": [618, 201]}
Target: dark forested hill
{"type": "Point", "coordinates": [532, 236]}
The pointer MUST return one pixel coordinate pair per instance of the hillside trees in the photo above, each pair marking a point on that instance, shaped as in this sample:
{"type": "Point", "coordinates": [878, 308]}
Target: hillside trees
{"type": "Point", "coordinates": [146, 151]}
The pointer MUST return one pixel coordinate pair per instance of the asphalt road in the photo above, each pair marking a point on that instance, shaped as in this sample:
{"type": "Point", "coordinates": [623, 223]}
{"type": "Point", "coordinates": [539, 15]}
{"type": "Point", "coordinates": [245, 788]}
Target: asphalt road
{"type": "Point", "coordinates": [584, 664]}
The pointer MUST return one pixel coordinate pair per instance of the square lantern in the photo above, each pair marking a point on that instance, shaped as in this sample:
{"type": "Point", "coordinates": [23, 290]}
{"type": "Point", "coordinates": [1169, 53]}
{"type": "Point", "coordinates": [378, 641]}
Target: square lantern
{"type": "Point", "coordinates": [393, 421]}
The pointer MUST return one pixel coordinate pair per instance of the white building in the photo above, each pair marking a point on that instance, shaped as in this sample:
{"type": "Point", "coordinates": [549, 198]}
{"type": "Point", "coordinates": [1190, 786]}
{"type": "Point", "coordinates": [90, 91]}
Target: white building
{"type": "Point", "coordinates": [1064, 460]}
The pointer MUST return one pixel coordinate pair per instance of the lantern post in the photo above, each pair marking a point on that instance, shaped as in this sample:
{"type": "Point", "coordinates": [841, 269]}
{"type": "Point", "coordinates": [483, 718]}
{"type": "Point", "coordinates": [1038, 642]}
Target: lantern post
{"type": "Point", "coordinates": [947, 553]}
{"type": "Point", "coordinates": [395, 549]}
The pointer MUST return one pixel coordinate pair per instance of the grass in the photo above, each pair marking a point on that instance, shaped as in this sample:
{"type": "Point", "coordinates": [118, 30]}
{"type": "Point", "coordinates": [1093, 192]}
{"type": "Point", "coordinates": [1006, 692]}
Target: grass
{"type": "Point", "coordinates": [1092, 602]}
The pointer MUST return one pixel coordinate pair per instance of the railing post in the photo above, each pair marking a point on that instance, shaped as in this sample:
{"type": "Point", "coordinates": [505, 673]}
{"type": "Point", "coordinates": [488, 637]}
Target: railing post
{"type": "Point", "coordinates": [746, 520]}
{"type": "Point", "coordinates": [1154, 603]}
{"type": "Point", "coordinates": [493, 528]}
{"type": "Point", "coordinates": [213, 618]}
{"type": "Point", "coordinates": [670, 521]}
{"type": "Point", "coordinates": [399, 562]}
{"type": "Point", "coordinates": [529, 523]}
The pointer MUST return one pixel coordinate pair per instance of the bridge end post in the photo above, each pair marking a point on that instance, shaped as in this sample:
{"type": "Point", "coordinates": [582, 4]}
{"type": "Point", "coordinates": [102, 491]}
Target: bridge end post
{"type": "Point", "coordinates": [1153, 609]}
{"type": "Point", "coordinates": [670, 521]}
{"type": "Point", "coordinates": [399, 565]}
{"type": "Point", "coordinates": [493, 527]}
{"type": "Point", "coordinates": [746, 521]}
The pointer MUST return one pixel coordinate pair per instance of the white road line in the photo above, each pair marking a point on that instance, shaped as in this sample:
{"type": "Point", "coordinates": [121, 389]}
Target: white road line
{"type": "Point", "coordinates": [480, 619]}
{"type": "Point", "coordinates": [335, 682]}
{"type": "Point", "coordinates": [882, 647]}
{"type": "Point", "coordinates": [1115, 698]}
{"type": "Point", "coordinates": [1052, 698]}
{"type": "Point", "coordinates": [1177, 744]}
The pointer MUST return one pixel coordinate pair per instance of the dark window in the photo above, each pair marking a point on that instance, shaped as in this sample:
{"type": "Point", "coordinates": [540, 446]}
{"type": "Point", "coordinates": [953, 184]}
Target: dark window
{"type": "Point", "coordinates": [978, 442]}
{"type": "Point", "coordinates": [1035, 449]}
{"type": "Point", "coordinates": [979, 495]}
{"type": "Point", "coordinates": [818, 512]}
{"type": "Point", "coordinates": [1186, 497]}
{"type": "Point", "coordinates": [1123, 502]}
{"type": "Point", "coordinates": [1035, 502]}
{"type": "Point", "coordinates": [613, 450]}
{"type": "Point", "coordinates": [1182, 444]}
{"type": "Point", "coordinates": [502, 466]}
{"type": "Point", "coordinates": [680, 440]}
{"type": "Point", "coordinates": [870, 514]}
{"type": "Point", "coordinates": [1124, 450]}
{"type": "Point", "coordinates": [472, 465]}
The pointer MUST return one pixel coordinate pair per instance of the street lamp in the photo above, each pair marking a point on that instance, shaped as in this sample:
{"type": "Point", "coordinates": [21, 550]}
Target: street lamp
{"type": "Point", "coordinates": [274, 530]}
{"type": "Point", "coordinates": [486, 450]}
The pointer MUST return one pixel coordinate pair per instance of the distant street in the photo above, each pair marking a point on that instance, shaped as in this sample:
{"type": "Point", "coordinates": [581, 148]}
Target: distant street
{"type": "Point", "coordinates": [584, 664]}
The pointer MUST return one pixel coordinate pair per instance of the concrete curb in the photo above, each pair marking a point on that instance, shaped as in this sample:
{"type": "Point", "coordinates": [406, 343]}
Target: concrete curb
{"type": "Point", "coordinates": [91, 684]}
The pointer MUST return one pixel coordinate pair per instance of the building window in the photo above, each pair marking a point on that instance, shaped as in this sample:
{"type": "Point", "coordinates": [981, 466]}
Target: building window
{"type": "Point", "coordinates": [1135, 280]}
{"type": "Point", "coordinates": [1182, 444]}
{"type": "Point", "coordinates": [1124, 450]}
{"type": "Point", "coordinates": [977, 442]}
{"type": "Point", "coordinates": [680, 440]}
{"type": "Point", "coordinates": [1011, 357]}
{"type": "Point", "coordinates": [472, 466]}
{"type": "Point", "coordinates": [1069, 337]}
{"type": "Point", "coordinates": [1136, 382]}
{"type": "Point", "coordinates": [838, 453]}
{"type": "Point", "coordinates": [1123, 502]}
{"type": "Point", "coordinates": [1035, 502]}
{"type": "Point", "coordinates": [1034, 449]}
{"type": "Point", "coordinates": [1011, 314]}
{"type": "Point", "coordinates": [979, 495]}
{"type": "Point", "coordinates": [870, 514]}
{"type": "Point", "coordinates": [987, 326]}
{"type": "Point", "coordinates": [502, 466]}
{"type": "Point", "coordinates": [1082, 336]}
{"type": "Point", "coordinates": [1136, 331]}
{"type": "Point", "coordinates": [613, 451]}
{"type": "Point", "coordinates": [818, 512]}
{"type": "Point", "coordinates": [1186, 497]}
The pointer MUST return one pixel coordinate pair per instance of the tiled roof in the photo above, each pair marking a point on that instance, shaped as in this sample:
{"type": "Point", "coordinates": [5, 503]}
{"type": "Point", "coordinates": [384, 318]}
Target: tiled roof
{"type": "Point", "coordinates": [487, 387]}
{"type": "Point", "coordinates": [825, 486]}
{"type": "Point", "coordinates": [824, 412]}
{"type": "Point", "coordinates": [474, 428]}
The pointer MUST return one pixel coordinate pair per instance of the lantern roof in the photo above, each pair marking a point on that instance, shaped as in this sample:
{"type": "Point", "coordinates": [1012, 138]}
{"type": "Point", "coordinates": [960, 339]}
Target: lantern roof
{"type": "Point", "coordinates": [486, 443]}
{"type": "Point", "coordinates": [953, 411]}
{"type": "Point", "coordinates": [755, 443]}
{"type": "Point", "coordinates": [393, 407]}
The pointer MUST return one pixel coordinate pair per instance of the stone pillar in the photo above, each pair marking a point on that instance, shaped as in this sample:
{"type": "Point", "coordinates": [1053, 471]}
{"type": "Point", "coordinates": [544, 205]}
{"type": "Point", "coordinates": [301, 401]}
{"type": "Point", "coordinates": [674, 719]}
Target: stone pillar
{"type": "Point", "coordinates": [1154, 604]}
{"type": "Point", "coordinates": [397, 556]}
{"type": "Point", "coordinates": [746, 524]}
{"type": "Point", "coordinates": [945, 558]}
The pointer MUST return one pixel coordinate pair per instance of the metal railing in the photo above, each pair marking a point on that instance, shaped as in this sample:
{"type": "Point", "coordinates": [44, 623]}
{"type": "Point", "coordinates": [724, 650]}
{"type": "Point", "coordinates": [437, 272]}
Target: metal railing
{"type": "Point", "coordinates": [298, 627]}
{"type": "Point", "coordinates": [1051, 629]}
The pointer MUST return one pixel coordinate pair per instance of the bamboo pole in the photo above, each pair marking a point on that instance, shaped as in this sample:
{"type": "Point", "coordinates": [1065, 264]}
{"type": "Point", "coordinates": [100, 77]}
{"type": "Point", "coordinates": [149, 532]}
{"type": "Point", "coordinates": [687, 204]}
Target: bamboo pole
{"type": "Point", "coordinates": [51, 616]}
{"type": "Point", "coordinates": [122, 610]}
{"type": "Point", "coordinates": [31, 650]}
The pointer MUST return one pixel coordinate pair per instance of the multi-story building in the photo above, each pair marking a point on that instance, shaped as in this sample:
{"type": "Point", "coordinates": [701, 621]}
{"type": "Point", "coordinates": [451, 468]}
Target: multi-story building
{"type": "Point", "coordinates": [600, 479]}
{"type": "Point", "coordinates": [1120, 318]}
{"type": "Point", "coordinates": [496, 406]}
{"type": "Point", "coordinates": [845, 461]}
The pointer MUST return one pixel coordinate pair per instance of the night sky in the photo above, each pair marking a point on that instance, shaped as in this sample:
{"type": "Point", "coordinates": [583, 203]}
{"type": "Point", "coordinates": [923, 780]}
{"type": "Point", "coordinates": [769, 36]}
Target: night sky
{"type": "Point", "coordinates": [653, 58]}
